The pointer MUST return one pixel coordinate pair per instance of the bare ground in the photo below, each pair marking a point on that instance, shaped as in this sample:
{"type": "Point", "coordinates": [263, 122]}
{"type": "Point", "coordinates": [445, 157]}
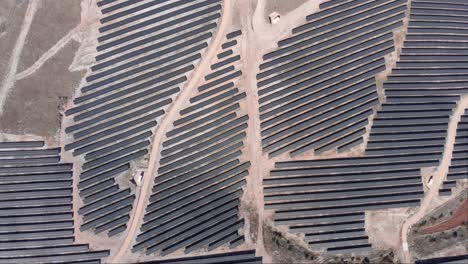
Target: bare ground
{"type": "Point", "coordinates": [286, 248]}
{"type": "Point", "coordinates": [33, 101]}
{"type": "Point", "coordinates": [34, 105]}
{"type": "Point", "coordinates": [444, 243]}
{"type": "Point", "coordinates": [252, 200]}
{"type": "Point", "coordinates": [11, 17]}
{"type": "Point", "coordinates": [251, 208]}
{"type": "Point", "coordinates": [262, 38]}
{"type": "Point", "coordinates": [281, 6]}
{"type": "Point", "coordinates": [383, 226]}
{"type": "Point", "coordinates": [13, 137]}
{"type": "Point", "coordinates": [49, 25]}
{"type": "Point", "coordinates": [457, 219]}
{"type": "Point", "coordinates": [13, 41]}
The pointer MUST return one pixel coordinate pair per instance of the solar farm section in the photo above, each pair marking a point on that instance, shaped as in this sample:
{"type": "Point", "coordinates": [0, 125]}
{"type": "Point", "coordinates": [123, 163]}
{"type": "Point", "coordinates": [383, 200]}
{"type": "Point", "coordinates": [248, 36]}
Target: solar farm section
{"type": "Point", "coordinates": [190, 137]}
{"type": "Point", "coordinates": [326, 199]}
{"type": "Point", "coordinates": [146, 51]}
{"type": "Point", "coordinates": [36, 207]}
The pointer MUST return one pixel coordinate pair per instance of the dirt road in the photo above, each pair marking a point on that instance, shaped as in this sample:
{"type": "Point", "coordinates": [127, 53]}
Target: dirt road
{"type": "Point", "coordinates": [182, 98]}
{"type": "Point", "coordinates": [253, 195]}
{"type": "Point", "coordinates": [438, 177]}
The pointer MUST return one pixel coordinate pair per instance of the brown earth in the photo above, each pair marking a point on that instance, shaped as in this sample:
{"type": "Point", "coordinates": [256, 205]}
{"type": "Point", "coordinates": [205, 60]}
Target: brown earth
{"type": "Point", "coordinates": [30, 103]}
{"type": "Point", "coordinates": [53, 20]}
{"type": "Point", "coordinates": [460, 217]}
{"type": "Point", "coordinates": [285, 249]}
{"type": "Point", "coordinates": [32, 106]}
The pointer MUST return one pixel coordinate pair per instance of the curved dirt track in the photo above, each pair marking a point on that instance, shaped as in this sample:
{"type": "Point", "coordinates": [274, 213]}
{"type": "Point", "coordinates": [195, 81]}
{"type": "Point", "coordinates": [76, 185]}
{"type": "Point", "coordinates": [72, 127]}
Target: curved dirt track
{"type": "Point", "coordinates": [145, 189]}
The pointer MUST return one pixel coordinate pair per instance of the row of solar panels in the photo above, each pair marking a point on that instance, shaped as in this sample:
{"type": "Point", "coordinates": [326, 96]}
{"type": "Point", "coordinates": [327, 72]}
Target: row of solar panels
{"type": "Point", "coordinates": [458, 169]}
{"type": "Point", "coordinates": [37, 216]}
{"type": "Point", "coordinates": [36, 209]}
{"type": "Point", "coordinates": [326, 199]}
{"type": "Point", "coordinates": [317, 90]}
{"type": "Point", "coordinates": [196, 194]}
{"type": "Point", "coordinates": [426, 84]}
{"type": "Point", "coordinates": [146, 51]}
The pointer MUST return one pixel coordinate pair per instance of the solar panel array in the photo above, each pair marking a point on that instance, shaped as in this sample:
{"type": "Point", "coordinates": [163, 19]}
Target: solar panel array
{"type": "Point", "coordinates": [237, 257]}
{"type": "Point", "coordinates": [426, 84]}
{"type": "Point", "coordinates": [326, 198]}
{"type": "Point", "coordinates": [458, 169]}
{"type": "Point", "coordinates": [195, 200]}
{"type": "Point", "coordinates": [317, 92]}
{"type": "Point", "coordinates": [36, 210]}
{"type": "Point", "coordinates": [317, 89]}
{"type": "Point", "coordinates": [146, 51]}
